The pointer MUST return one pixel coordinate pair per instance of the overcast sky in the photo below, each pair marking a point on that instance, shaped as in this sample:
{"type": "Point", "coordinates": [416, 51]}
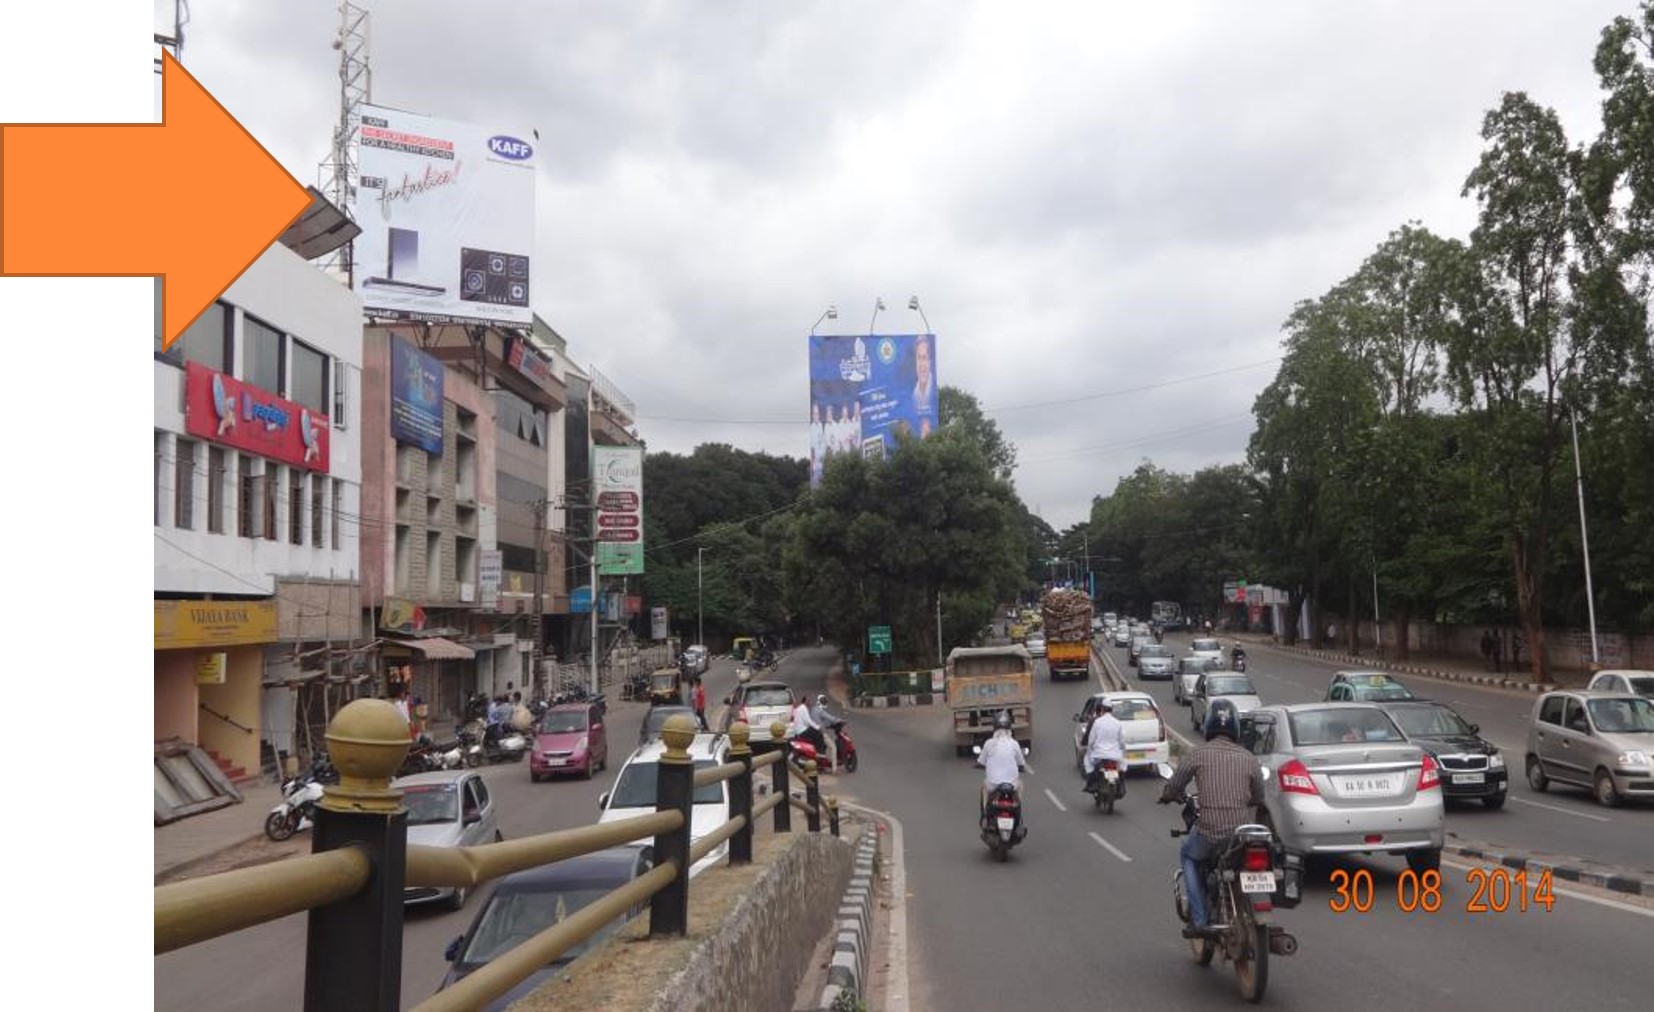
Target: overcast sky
{"type": "Point", "coordinates": [1087, 198]}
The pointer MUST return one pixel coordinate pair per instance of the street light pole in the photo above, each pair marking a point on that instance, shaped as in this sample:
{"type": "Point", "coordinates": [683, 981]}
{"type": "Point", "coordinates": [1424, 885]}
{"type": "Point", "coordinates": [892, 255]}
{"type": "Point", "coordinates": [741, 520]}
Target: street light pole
{"type": "Point", "coordinates": [1584, 541]}
{"type": "Point", "coordinates": [700, 617]}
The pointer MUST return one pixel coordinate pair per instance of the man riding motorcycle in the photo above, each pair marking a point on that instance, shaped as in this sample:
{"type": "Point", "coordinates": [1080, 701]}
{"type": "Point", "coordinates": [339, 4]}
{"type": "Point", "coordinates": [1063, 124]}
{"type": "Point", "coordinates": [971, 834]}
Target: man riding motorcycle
{"type": "Point", "coordinates": [1001, 759]}
{"type": "Point", "coordinates": [1237, 656]}
{"type": "Point", "coordinates": [1231, 792]}
{"type": "Point", "coordinates": [1104, 740]}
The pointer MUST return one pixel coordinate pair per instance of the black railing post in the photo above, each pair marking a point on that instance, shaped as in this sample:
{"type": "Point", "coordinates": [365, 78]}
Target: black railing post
{"type": "Point", "coordinates": [812, 797]}
{"type": "Point", "coordinates": [779, 780]}
{"type": "Point", "coordinates": [740, 794]}
{"type": "Point", "coordinates": [353, 948]}
{"type": "Point", "coordinates": [674, 791]}
{"type": "Point", "coordinates": [832, 815]}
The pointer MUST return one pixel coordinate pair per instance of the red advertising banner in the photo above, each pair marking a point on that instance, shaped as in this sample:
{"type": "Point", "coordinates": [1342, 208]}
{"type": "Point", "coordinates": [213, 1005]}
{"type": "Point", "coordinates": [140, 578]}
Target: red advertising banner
{"type": "Point", "coordinates": [220, 408]}
{"type": "Point", "coordinates": [527, 361]}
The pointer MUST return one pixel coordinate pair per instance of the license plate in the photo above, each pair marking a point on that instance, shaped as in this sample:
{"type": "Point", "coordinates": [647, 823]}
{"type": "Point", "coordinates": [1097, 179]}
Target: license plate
{"type": "Point", "coordinates": [1369, 787]}
{"type": "Point", "coordinates": [1111, 775]}
{"type": "Point", "coordinates": [1135, 755]}
{"type": "Point", "coordinates": [1006, 824]}
{"type": "Point", "coordinates": [1469, 778]}
{"type": "Point", "coordinates": [1257, 881]}
{"type": "Point", "coordinates": [558, 762]}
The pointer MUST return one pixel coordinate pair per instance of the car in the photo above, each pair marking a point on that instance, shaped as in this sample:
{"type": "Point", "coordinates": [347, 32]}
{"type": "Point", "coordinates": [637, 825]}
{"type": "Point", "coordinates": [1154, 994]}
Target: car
{"type": "Point", "coordinates": [1096, 624]}
{"type": "Point", "coordinates": [525, 903]}
{"type": "Point", "coordinates": [1215, 685]}
{"type": "Point", "coordinates": [447, 808]}
{"type": "Point", "coordinates": [1109, 618]}
{"type": "Point", "coordinates": [1156, 660]}
{"type": "Point", "coordinates": [633, 793]}
{"type": "Point", "coordinates": [1472, 768]}
{"type": "Point", "coordinates": [570, 738]}
{"type": "Point", "coordinates": [1136, 649]}
{"type": "Point", "coordinates": [1035, 644]}
{"type": "Point", "coordinates": [759, 704]}
{"type": "Point", "coordinates": [1142, 728]}
{"type": "Point", "coordinates": [1366, 687]}
{"type": "Point", "coordinates": [1342, 778]}
{"type": "Point", "coordinates": [1211, 647]}
{"type": "Point", "coordinates": [656, 719]}
{"type": "Point", "coordinates": [1635, 683]}
{"type": "Point", "coordinates": [1189, 670]}
{"type": "Point", "coordinates": [697, 657]}
{"type": "Point", "coordinates": [1601, 741]}
{"type": "Point", "coordinates": [1122, 635]}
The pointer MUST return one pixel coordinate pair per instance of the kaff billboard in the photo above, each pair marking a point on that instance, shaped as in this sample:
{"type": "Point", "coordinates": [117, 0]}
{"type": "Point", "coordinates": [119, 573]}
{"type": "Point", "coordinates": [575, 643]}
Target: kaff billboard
{"type": "Point", "coordinates": [617, 480]}
{"type": "Point", "coordinates": [447, 217]}
{"type": "Point", "coordinates": [222, 409]}
{"type": "Point", "coordinates": [416, 397]}
{"type": "Point", "coordinates": [866, 390]}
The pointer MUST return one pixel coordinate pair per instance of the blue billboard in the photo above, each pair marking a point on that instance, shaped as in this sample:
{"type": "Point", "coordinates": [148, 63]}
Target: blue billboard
{"type": "Point", "coordinates": [416, 397]}
{"type": "Point", "coordinates": [865, 390]}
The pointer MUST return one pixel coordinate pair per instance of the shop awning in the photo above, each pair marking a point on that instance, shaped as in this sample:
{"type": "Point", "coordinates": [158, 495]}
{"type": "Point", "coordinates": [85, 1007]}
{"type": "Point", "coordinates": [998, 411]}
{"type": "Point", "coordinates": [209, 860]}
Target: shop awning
{"type": "Point", "coordinates": [435, 648]}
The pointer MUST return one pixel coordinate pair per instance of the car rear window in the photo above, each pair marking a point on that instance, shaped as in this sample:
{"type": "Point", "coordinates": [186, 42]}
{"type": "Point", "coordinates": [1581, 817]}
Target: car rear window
{"type": "Point", "coordinates": [768, 697]}
{"type": "Point", "coordinates": [1343, 726]}
{"type": "Point", "coordinates": [1156, 650]}
{"type": "Point", "coordinates": [636, 787]}
{"type": "Point", "coordinates": [1206, 646]}
{"type": "Point", "coordinates": [1231, 685]}
{"type": "Point", "coordinates": [1134, 709]}
{"type": "Point", "coordinates": [1643, 686]}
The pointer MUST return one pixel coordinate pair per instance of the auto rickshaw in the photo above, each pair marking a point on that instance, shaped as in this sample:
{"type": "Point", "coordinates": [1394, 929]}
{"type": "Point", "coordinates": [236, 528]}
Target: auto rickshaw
{"type": "Point", "coordinates": [666, 686]}
{"type": "Point", "coordinates": [742, 645]}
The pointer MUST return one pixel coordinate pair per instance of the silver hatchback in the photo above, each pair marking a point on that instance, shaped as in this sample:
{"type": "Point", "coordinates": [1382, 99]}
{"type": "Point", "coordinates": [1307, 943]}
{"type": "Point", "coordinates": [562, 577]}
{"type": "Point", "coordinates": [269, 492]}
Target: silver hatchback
{"type": "Point", "coordinates": [1603, 741]}
{"type": "Point", "coordinates": [1341, 778]}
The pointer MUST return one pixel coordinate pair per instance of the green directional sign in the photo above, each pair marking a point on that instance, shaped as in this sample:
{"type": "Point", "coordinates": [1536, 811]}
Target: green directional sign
{"type": "Point", "coordinates": [878, 639]}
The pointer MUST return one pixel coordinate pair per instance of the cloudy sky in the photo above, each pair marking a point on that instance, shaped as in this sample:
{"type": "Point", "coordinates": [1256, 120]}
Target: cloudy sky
{"type": "Point", "coordinates": [1106, 210]}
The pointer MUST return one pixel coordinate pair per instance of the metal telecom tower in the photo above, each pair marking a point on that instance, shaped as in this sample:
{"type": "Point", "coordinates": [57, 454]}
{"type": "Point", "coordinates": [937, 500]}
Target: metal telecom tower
{"type": "Point", "coordinates": [338, 174]}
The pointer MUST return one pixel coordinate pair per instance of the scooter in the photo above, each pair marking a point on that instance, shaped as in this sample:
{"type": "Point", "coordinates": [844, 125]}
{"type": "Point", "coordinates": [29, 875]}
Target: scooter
{"type": "Point", "coordinates": [1103, 784]}
{"type": "Point", "coordinates": [1001, 824]}
{"type": "Point", "coordinates": [1237, 661]}
{"type": "Point", "coordinates": [1246, 880]}
{"type": "Point", "coordinates": [846, 750]}
{"type": "Point", "coordinates": [299, 795]}
{"type": "Point", "coordinates": [496, 743]}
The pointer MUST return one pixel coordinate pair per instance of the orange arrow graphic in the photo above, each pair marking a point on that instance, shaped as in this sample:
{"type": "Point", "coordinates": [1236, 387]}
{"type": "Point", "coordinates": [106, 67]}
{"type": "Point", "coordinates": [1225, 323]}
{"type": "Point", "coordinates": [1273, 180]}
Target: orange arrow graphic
{"type": "Point", "coordinates": [193, 198]}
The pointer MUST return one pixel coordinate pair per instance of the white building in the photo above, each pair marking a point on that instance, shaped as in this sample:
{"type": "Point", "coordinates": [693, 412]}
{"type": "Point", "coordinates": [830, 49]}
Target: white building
{"type": "Point", "coordinates": [257, 511]}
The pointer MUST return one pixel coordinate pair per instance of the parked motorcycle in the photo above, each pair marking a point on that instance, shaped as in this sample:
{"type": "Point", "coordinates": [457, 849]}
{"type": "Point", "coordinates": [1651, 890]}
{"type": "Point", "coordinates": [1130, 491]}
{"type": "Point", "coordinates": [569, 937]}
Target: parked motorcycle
{"type": "Point", "coordinates": [1103, 784]}
{"type": "Point", "coordinates": [299, 795]}
{"type": "Point", "coordinates": [1246, 880]}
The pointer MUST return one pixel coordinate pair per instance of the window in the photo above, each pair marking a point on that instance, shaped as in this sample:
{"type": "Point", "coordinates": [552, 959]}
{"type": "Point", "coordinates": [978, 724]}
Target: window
{"type": "Point", "coordinates": [403, 560]}
{"type": "Point", "coordinates": [295, 506]}
{"type": "Point", "coordinates": [433, 565]}
{"type": "Point", "coordinates": [318, 496]}
{"type": "Point", "coordinates": [307, 378]}
{"type": "Point", "coordinates": [1550, 711]}
{"type": "Point", "coordinates": [1574, 717]}
{"type": "Point", "coordinates": [272, 475]}
{"type": "Point", "coordinates": [246, 524]}
{"type": "Point", "coordinates": [262, 348]}
{"type": "Point", "coordinates": [338, 505]}
{"type": "Point", "coordinates": [207, 340]}
{"type": "Point", "coordinates": [217, 466]}
{"type": "Point", "coordinates": [160, 472]}
{"type": "Point", "coordinates": [183, 484]}
{"type": "Point", "coordinates": [517, 417]}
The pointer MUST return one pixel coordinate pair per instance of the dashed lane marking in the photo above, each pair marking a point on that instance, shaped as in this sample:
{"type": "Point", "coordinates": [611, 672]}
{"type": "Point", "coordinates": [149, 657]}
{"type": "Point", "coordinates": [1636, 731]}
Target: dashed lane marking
{"type": "Point", "coordinates": [1060, 806]}
{"type": "Point", "coordinates": [1111, 848]}
{"type": "Point", "coordinates": [1557, 808]}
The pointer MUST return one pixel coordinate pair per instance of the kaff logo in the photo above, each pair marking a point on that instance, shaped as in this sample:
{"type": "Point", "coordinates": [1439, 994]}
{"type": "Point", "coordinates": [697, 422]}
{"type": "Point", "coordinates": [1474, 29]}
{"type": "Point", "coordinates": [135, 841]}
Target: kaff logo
{"type": "Point", "coordinates": [510, 147]}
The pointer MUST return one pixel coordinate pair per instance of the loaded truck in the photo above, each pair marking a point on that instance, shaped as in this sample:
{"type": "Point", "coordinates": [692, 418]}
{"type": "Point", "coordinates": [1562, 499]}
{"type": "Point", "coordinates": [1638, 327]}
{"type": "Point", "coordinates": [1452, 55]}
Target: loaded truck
{"type": "Point", "coordinates": [983, 681]}
{"type": "Point", "coordinates": [1066, 615]}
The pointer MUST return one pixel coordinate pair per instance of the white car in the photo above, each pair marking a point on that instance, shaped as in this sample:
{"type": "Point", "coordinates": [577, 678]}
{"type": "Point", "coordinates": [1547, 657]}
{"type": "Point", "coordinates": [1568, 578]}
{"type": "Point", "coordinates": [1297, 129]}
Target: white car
{"type": "Point", "coordinates": [1635, 683]}
{"type": "Point", "coordinates": [698, 657]}
{"type": "Point", "coordinates": [1142, 727]}
{"type": "Point", "coordinates": [633, 793]}
{"type": "Point", "coordinates": [1035, 644]}
{"type": "Point", "coordinates": [1209, 647]}
{"type": "Point", "coordinates": [1122, 635]}
{"type": "Point", "coordinates": [1216, 685]}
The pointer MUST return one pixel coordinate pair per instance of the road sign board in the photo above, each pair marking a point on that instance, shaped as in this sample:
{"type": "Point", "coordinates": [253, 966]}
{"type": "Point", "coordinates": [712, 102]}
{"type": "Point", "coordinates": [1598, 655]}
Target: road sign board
{"type": "Point", "coordinates": [878, 639]}
{"type": "Point", "coordinates": [617, 520]}
{"type": "Point", "coordinates": [617, 500]}
{"type": "Point", "coordinates": [617, 534]}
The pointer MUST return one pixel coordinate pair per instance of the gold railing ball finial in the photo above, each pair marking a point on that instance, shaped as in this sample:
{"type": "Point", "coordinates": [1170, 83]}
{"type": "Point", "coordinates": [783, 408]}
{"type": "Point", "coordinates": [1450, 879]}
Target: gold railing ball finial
{"type": "Point", "coordinates": [739, 736]}
{"type": "Point", "coordinates": [679, 733]}
{"type": "Point", "coordinates": [778, 730]}
{"type": "Point", "coordinates": [810, 768]}
{"type": "Point", "coordinates": [367, 741]}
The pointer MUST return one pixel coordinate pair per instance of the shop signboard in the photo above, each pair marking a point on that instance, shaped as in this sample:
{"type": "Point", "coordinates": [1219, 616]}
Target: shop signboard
{"type": "Point", "coordinates": [197, 623]}
{"type": "Point", "coordinates": [222, 409]}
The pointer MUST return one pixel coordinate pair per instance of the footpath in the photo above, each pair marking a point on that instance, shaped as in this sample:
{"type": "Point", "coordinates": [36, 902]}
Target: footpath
{"type": "Point", "coordinates": [1443, 667]}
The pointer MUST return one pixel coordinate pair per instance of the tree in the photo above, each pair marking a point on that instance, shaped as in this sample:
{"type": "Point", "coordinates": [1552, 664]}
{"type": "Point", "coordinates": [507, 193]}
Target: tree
{"type": "Point", "coordinates": [962, 416]}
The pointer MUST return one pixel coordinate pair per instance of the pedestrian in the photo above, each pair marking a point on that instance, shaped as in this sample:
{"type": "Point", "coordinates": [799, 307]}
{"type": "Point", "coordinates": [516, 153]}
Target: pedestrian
{"type": "Point", "coordinates": [700, 703]}
{"type": "Point", "coordinates": [1487, 648]}
{"type": "Point", "coordinates": [1515, 650]}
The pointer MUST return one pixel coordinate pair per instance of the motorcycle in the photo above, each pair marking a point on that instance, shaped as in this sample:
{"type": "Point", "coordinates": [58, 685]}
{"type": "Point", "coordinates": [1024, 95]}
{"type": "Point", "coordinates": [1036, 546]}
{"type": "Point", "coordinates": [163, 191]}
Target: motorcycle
{"type": "Point", "coordinates": [1104, 784]}
{"type": "Point", "coordinates": [1002, 827]}
{"type": "Point", "coordinates": [299, 796]}
{"type": "Point", "coordinates": [497, 743]}
{"type": "Point", "coordinates": [846, 750]}
{"type": "Point", "coordinates": [1247, 879]}
{"type": "Point", "coordinates": [1238, 661]}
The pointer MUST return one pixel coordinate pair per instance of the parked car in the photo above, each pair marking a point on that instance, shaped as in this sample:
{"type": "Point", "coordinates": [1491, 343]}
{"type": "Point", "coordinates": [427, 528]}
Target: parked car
{"type": "Point", "coordinates": [1341, 778]}
{"type": "Point", "coordinates": [1211, 648]}
{"type": "Point", "coordinates": [697, 658]}
{"type": "Point", "coordinates": [1602, 741]}
{"type": "Point", "coordinates": [1635, 683]}
{"type": "Point", "coordinates": [1135, 651]}
{"type": "Point", "coordinates": [633, 793]}
{"type": "Point", "coordinates": [1155, 660]}
{"type": "Point", "coordinates": [1472, 768]}
{"type": "Point", "coordinates": [570, 738]}
{"type": "Point", "coordinates": [1142, 728]}
{"type": "Point", "coordinates": [1189, 670]}
{"type": "Point", "coordinates": [1035, 643]}
{"type": "Point", "coordinates": [447, 808]}
{"type": "Point", "coordinates": [656, 719]}
{"type": "Point", "coordinates": [1366, 687]}
{"type": "Point", "coordinates": [1215, 685]}
{"type": "Point", "coordinates": [526, 903]}
{"type": "Point", "coordinates": [1122, 635]}
{"type": "Point", "coordinates": [759, 703]}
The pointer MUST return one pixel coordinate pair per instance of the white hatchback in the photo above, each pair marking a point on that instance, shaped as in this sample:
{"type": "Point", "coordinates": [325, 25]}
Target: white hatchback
{"type": "Point", "coordinates": [1142, 728]}
{"type": "Point", "coordinates": [633, 793]}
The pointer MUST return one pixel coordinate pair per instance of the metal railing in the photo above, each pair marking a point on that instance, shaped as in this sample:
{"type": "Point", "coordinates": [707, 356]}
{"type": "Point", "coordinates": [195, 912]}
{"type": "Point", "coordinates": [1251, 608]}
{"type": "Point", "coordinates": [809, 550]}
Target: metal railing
{"type": "Point", "coordinates": [352, 883]}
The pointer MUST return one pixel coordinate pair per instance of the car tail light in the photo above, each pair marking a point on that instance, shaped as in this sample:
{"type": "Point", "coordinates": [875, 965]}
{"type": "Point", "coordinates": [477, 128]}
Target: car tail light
{"type": "Point", "coordinates": [1295, 778]}
{"type": "Point", "coordinates": [1255, 859]}
{"type": "Point", "coordinates": [742, 716]}
{"type": "Point", "coordinates": [1429, 777]}
{"type": "Point", "coordinates": [1162, 736]}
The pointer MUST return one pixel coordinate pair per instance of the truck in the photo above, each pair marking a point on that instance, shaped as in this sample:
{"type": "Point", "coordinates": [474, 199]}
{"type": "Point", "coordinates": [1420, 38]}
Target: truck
{"type": "Point", "coordinates": [1066, 615]}
{"type": "Point", "coordinates": [1167, 614]}
{"type": "Point", "coordinates": [980, 683]}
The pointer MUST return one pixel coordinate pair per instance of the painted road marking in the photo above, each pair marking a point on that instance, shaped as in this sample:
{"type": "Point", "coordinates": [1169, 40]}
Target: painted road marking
{"type": "Point", "coordinates": [1060, 806]}
{"type": "Point", "coordinates": [1111, 848]}
{"type": "Point", "coordinates": [1555, 808]}
{"type": "Point", "coordinates": [1558, 889]}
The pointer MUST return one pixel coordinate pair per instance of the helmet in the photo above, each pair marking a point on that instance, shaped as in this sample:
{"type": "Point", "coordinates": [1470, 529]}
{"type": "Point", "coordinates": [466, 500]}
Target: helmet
{"type": "Point", "coordinates": [1002, 721]}
{"type": "Point", "coordinates": [822, 699]}
{"type": "Point", "coordinates": [1221, 720]}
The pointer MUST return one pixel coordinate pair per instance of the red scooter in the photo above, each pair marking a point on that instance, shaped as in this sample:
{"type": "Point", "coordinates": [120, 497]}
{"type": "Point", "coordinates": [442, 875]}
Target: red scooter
{"type": "Point", "coordinates": [804, 750]}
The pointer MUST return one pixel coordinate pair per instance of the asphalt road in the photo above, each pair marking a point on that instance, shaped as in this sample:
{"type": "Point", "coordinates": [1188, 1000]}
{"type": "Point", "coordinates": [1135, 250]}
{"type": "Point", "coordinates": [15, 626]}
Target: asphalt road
{"type": "Point", "coordinates": [1081, 915]}
{"type": "Point", "coordinates": [1562, 821]}
{"type": "Point", "coordinates": [263, 968]}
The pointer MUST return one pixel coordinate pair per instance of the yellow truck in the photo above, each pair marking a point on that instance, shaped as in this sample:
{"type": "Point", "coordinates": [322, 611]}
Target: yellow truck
{"type": "Point", "coordinates": [981, 682]}
{"type": "Point", "coordinates": [1067, 620]}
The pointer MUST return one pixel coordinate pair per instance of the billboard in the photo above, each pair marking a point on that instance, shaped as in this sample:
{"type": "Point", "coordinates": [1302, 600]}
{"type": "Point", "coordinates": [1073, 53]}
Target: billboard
{"type": "Point", "coordinates": [447, 217]}
{"type": "Point", "coordinates": [617, 482]}
{"type": "Point", "coordinates": [416, 397]}
{"type": "Point", "coordinates": [864, 390]}
{"type": "Point", "coordinates": [220, 408]}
